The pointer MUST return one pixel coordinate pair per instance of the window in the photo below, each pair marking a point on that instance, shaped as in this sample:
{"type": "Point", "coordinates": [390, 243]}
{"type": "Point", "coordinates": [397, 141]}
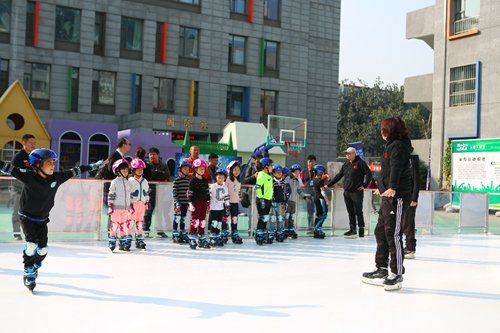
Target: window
{"type": "Point", "coordinates": [70, 150]}
{"type": "Point", "coordinates": [159, 42]}
{"type": "Point", "coordinates": [98, 150]}
{"type": "Point", "coordinates": [237, 50]}
{"type": "Point", "coordinates": [138, 93]}
{"type": "Point", "coordinates": [163, 95]}
{"type": "Point", "coordinates": [99, 30]}
{"type": "Point", "coordinates": [195, 98]}
{"type": "Point", "coordinates": [10, 149]}
{"type": "Point", "coordinates": [235, 101]}
{"type": "Point", "coordinates": [30, 23]}
{"type": "Point", "coordinates": [131, 38]}
{"type": "Point", "coordinates": [5, 9]}
{"type": "Point", "coordinates": [192, 2]}
{"type": "Point", "coordinates": [272, 10]}
{"type": "Point", "coordinates": [4, 75]}
{"type": "Point", "coordinates": [271, 55]}
{"type": "Point", "coordinates": [268, 102]}
{"type": "Point", "coordinates": [239, 6]}
{"type": "Point", "coordinates": [188, 48]}
{"type": "Point", "coordinates": [103, 92]}
{"type": "Point", "coordinates": [463, 85]}
{"type": "Point", "coordinates": [67, 29]}
{"type": "Point", "coordinates": [465, 15]}
{"type": "Point", "coordinates": [74, 89]}
{"type": "Point", "coordinates": [37, 83]}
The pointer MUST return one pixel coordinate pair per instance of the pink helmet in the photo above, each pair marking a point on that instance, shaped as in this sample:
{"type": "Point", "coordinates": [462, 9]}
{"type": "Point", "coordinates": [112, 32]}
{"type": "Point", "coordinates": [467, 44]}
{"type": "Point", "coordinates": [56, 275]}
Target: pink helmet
{"type": "Point", "coordinates": [231, 165]}
{"type": "Point", "coordinates": [137, 163]}
{"type": "Point", "coordinates": [199, 163]}
{"type": "Point", "coordinates": [118, 163]}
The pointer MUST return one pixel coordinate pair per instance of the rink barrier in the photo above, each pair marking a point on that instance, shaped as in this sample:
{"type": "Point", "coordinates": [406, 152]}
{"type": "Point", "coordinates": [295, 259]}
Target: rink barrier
{"type": "Point", "coordinates": [80, 212]}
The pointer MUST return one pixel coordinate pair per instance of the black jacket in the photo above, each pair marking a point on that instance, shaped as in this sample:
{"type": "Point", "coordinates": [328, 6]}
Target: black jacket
{"type": "Point", "coordinates": [396, 172]}
{"type": "Point", "coordinates": [415, 176]}
{"type": "Point", "coordinates": [37, 197]}
{"type": "Point", "coordinates": [355, 173]}
{"type": "Point", "coordinates": [107, 171]}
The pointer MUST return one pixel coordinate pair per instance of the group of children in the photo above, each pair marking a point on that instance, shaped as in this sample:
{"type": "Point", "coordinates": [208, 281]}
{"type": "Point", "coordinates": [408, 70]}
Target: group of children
{"type": "Point", "coordinates": [277, 190]}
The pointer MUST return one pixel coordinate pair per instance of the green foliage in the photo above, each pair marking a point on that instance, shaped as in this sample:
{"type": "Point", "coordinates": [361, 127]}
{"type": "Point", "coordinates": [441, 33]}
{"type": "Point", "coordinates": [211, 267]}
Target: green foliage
{"type": "Point", "coordinates": [447, 167]}
{"type": "Point", "coordinates": [361, 108]}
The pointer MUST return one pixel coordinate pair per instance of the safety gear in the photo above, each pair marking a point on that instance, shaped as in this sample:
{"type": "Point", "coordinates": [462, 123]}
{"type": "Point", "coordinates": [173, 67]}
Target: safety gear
{"type": "Point", "coordinates": [265, 161]}
{"type": "Point", "coordinates": [221, 172]}
{"type": "Point", "coordinates": [137, 163]}
{"type": "Point", "coordinates": [277, 168]}
{"type": "Point", "coordinates": [96, 165]}
{"type": "Point", "coordinates": [319, 169]}
{"type": "Point", "coordinates": [40, 155]}
{"type": "Point", "coordinates": [118, 165]}
{"type": "Point", "coordinates": [184, 163]}
{"type": "Point", "coordinates": [286, 171]}
{"type": "Point", "coordinates": [199, 163]}
{"type": "Point", "coordinates": [295, 167]}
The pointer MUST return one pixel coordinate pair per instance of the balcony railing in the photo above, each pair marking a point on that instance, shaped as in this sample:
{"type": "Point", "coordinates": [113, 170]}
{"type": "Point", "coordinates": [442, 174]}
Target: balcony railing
{"type": "Point", "coordinates": [466, 24]}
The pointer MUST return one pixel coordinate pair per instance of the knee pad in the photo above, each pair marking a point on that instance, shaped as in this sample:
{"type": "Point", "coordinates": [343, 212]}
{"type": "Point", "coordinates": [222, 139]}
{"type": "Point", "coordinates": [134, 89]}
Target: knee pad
{"type": "Point", "coordinates": [234, 219]}
{"type": "Point", "coordinates": [214, 224]}
{"type": "Point", "coordinates": [42, 251]}
{"type": "Point", "coordinates": [265, 218]}
{"type": "Point", "coordinates": [202, 224]}
{"type": "Point", "coordinates": [30, 249]}
{"type": "Point", "coordinates": [195, 223]}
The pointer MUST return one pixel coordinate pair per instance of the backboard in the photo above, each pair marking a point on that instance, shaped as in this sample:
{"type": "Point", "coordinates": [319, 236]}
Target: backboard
{"type": "Point", "coordinates": [286, 131]}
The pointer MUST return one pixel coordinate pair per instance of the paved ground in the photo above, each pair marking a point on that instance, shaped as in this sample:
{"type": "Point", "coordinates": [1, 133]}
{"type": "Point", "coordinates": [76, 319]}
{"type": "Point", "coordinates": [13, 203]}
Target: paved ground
{"type": "Point", "coordinates": [298, 286]}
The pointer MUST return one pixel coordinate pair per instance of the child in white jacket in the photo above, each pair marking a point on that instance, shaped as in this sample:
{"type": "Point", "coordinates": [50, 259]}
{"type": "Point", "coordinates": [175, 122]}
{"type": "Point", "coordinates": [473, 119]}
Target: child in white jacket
{"type": "Point", "coordinates": [140, 201]}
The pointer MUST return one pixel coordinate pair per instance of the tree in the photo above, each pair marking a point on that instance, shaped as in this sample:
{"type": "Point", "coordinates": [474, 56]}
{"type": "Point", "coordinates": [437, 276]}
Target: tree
{"type": "Point", "coordinates": [361, 108]}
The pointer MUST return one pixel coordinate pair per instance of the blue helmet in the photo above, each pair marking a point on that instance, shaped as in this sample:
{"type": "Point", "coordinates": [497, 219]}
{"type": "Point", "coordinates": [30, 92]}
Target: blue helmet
{"type": "Point", "coordinates": [296, 167]}
{"type": "Point", "coordinates": [40, 155]}
{"type": "Point", "coordinates": [319, 169]}
{"type": "Point", "coordinates": [265, 161]}
{"type": "Point", "coordinates": [221, 172]}
{"type": "Point", "coordinates": [277, 168]}
{"type": "Point", "coordinates": [286, 171]}
{"type": "Point", "coordinates": [184, 163]}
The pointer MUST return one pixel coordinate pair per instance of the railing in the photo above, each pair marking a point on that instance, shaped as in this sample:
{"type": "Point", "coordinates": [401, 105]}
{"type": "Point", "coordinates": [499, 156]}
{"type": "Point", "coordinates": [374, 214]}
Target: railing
{"type": "Point", "coordinates": [466, 24]}
{"type": "Point", "coordinates": [80, 214]}
{"type": "Point", "coordinates": [463, 98]}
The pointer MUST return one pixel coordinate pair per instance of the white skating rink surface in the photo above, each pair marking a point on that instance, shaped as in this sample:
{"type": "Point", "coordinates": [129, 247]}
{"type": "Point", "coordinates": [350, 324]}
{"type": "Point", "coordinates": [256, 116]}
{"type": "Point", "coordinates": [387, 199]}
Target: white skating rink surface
{"type": "Point", "coordinates": [303, 285]}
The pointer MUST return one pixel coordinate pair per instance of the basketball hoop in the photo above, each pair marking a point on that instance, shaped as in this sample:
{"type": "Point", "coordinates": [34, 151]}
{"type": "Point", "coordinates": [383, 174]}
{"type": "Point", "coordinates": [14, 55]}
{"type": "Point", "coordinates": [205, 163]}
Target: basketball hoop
{"type": "Point", "coordinates": [293, 149]}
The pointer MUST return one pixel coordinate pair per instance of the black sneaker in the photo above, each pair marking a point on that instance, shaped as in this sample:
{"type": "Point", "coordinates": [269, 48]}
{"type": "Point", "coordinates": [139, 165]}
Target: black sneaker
{"type": "Point", "coordinates": [393, 282]}
{"type": "Point", "coordinates": [375, 277]}
{"type": "Point", "coordinates": [361, 232]}
{"type": "Point", "coordinates": [409, 254]}
{"type": "Point", "coordinates": [351, 234]}
{"type": "Point", "coordinates": [161, 235]}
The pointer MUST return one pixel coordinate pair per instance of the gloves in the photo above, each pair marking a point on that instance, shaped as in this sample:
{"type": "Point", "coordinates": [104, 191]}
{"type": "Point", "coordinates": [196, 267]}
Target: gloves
{"type": "Point", "coordinates": [111, 209]}
{"type": "Point", "coordinates": [177, 207]}
{"type": "Point", "coordinates": [191, 207]}
{"type": "Point", "coordinates": [96, 165]}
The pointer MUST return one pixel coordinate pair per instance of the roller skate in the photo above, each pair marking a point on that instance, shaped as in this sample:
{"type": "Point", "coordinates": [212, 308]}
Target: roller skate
{"type": "Point", "coordinates": [204, 242]}
{"type": "Point", "coordinates": [122, 245]}
{"type": "Point", "coordinates": [270, 236]}
{"type": "Point", "coordinates": [30, 275]}
{"type": "Point", "coordinates": [292, 234]}
{"type": "Point", "coordinates": [128, 243]}
{"type": "Point", "coordinates": [225, 236]}
{"type": "Point", "coordinates": [216, 240]}
{"type": "Point", "coordinates": [286, 233]}
{"type": "Point", "coordinates": [235, 237]}
{"type": "Point", "coordinates": [192, 242]}
{"type": "Point", "coordinates": [176, 237]}
{"type": "Point", "coordinates": [318, 233]}
{"type": "Point", "coordinates": [139, 242]}
{"type": "Point", "coordinates": [280, 235]}
{"type": "Point", "coordinates": [184, 237]}
{"type": "Point", "coordinates": [112, 243]}
{"type": "Point", "coordinates": [260, 236]}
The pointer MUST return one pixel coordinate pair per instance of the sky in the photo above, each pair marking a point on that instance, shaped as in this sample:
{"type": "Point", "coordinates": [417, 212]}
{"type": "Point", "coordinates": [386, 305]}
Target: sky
{"type": "Point", "coordinates": [373, 42]}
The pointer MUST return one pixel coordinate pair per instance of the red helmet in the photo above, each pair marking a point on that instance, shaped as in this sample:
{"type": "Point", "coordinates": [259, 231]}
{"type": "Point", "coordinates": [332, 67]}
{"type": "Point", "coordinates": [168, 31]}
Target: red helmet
{"type": "Point", "coordinates": [199, 163]}
{"type": "Point", "coordinates": [137, 163]}
{"type": "Point", "coordinates": [118, 163]}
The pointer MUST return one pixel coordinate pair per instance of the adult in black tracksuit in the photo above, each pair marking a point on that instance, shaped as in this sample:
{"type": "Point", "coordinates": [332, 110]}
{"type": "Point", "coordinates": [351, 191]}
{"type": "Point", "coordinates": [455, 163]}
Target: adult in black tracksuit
{"type": "Point", "coordinates": [356, 176]}
{"type": "Point", "coordinates": [394, 186]}
{"type": "Point", "coordinates": [409, 217]}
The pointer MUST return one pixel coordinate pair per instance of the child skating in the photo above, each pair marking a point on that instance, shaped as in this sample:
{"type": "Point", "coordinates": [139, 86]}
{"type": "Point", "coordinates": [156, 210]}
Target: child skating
{"type": "Point", "coordinates": [37, 199]}
{"type": "Point", "coordinates": [199, 199]}
{"type": "Point", "coordinates": [264, 193]}
{"type": "Point", "coordinates": [296, 191]}
{"type": "Point", "coordinates": [120, 206]}
{"type": "Point", "coordinates": [219, 205]}
{"type": "Point", "coordinates": [140, 201]}
{"type": "Point", "coordinates": [319, 200]}
{"type": "Point", "coordinates": [234, 187]}
{"type": "Point", "coordinates": [181, 203]}
{"type": "Point", "coordinates": [281, 193]}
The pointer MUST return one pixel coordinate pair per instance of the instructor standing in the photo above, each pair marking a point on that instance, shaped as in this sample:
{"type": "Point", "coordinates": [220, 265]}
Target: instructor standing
{"type": "Point", "coordinates": [356, 176]}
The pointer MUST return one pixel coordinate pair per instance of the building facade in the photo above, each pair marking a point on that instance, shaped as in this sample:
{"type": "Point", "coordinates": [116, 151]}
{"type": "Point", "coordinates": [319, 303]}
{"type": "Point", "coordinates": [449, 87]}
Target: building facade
{"type": "Point", "coordinates": [172, 65]}
{"type": "Point", "coordinates": [463, 92]}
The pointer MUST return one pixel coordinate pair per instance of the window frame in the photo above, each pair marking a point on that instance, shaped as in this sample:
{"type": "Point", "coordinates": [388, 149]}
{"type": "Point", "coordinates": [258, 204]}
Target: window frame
{"type": "Point", "coordinates": [97, 105]}
{"type": "Point", "coordinates": [156, 93]}
{"type": "Point", "coordinates": [186, 60]}
{"type": "Point", "coordinates": [127, 52]}
{"type": "Point", "coordinates": [232, 66]}
{"type": "Point", "coordinates": [452, 21]}
{"type": "Point", "coordinates": [462, 80]}
{"type": "Point", "coordinates": [272, 21]}
{"type": "Point", "coordinates": [66, 44]}
{"type": "Point", "coordinates": [229, 102]}
{"type": "Point", "coordinates": [38, 102]}
{"type": "Point", "coordinates": [100, 29]}
{"type": "Point", "coordinates": [5, 34]}
{"type": "Point", "coordinates": [4, 75]}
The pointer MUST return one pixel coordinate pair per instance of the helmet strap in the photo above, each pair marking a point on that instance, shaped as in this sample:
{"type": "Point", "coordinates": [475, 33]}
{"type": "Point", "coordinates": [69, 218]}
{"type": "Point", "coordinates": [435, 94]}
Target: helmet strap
{"type": "Point", "coordinates": [38, 169]}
